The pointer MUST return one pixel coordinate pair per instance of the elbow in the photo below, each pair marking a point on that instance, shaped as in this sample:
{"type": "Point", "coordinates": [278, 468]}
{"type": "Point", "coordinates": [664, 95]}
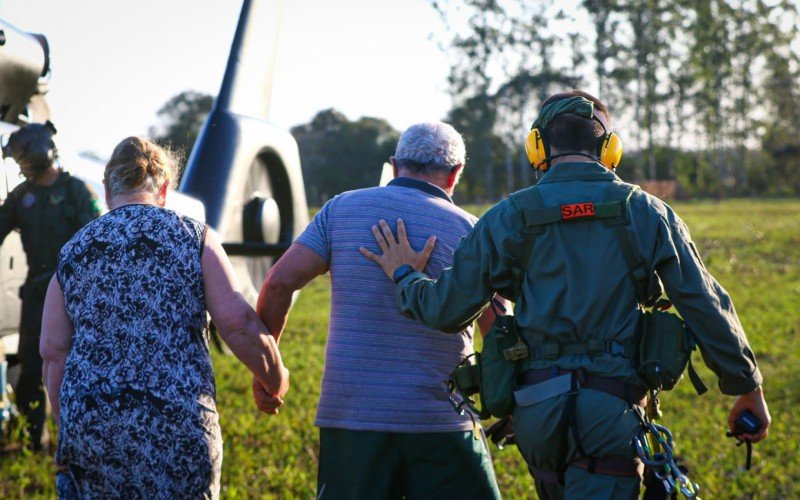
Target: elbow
{"type": "Point", "coordinates": [51, 355]}
{"type": "Point", "coordinates": [233, 326]}
{"type": "Point", "coordinates": [279, 282]}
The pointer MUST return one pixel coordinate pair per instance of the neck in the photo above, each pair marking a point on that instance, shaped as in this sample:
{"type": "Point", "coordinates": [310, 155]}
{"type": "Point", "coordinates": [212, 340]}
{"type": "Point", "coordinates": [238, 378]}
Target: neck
{"type": "Point", "coordinates": [48, 177]}
{"type": "Point", "coordinates": [438, 180]}
{"type": "Point", "coordinates": [121, 200]}
{"type": "Point", "coordinates": [572, 158]}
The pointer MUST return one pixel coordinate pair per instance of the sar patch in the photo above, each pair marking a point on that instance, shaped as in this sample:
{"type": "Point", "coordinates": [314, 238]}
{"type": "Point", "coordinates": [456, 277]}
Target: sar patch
{"type": "Point", "coordinates": [28, 200]}
{"type": "Point", "coordinates": [576, 210]}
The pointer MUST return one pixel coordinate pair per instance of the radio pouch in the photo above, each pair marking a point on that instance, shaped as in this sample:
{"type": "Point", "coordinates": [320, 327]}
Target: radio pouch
{"type": "Point", "coordinates": [493, 375]}
{"type": "Point", "coordinates": [502, 349]}
{"type": "Point", "coordinates": [665, 350]}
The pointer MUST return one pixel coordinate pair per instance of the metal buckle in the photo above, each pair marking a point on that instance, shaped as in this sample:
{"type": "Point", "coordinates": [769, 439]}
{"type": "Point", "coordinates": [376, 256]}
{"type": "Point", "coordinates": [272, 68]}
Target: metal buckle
{"type": "Point", "coordinates": [517, 352]}
{"type": "Point", "coordinates": [458, 407]}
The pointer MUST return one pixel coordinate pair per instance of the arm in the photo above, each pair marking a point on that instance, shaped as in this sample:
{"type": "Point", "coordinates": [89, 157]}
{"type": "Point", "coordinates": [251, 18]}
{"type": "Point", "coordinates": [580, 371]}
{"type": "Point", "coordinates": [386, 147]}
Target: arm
{"type": "Point", "coordinates": [462, 292]}
{"type": "Point", "coordinates": [55, 343]}
{"type": "Point", "coordinates": [238, 324]}
{"type": "Point", "coordinates": [8, 210]}
{"type": "Point", "coordinates": [708, 310]}
{"type": "Point", "coordinates": [290, 273]}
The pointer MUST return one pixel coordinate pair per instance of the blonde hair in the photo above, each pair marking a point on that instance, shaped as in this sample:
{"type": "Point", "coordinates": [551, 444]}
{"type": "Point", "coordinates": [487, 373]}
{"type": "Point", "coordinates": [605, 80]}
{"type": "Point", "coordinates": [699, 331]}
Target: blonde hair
{"type": "Point", "coordinates": [138, 165]}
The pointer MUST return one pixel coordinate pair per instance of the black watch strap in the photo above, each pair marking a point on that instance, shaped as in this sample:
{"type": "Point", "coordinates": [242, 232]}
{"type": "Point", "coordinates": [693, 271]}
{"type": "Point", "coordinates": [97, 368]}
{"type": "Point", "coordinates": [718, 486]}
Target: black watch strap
{"type": "Point", "coordinates": [401, 272]}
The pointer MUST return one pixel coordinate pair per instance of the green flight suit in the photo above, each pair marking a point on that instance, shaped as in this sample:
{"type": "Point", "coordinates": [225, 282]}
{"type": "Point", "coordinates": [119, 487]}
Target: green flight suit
{"type": "Point", "coordinates": [47, 217]}
{"type": "Point", "coordinates": [577, 287]}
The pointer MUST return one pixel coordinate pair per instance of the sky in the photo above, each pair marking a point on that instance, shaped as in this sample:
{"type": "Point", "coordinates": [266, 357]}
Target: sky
{"type": "Point", "coordinates": [116, 62]}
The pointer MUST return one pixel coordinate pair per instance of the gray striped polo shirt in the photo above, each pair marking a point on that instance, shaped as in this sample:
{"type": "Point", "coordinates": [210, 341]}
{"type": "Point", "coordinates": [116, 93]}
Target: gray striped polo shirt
{"type": "Point", "coordinates": [383, 371]}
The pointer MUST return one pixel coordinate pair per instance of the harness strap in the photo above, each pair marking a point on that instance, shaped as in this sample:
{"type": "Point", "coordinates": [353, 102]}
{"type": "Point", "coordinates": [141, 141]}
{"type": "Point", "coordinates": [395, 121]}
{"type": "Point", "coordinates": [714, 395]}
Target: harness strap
{"type": "Point", "coordinates": [636, 266]}
{"type": "Point", "coordinates": [610, 466]}
{"type": "Point", "coordinates": [570, 417]}
{"type": "Point", "coordinates": [531, 232]}
{"type": "Point", "coordinates": [554, 350]}
{"type": "Point", "coordinates": [697, 382]}
{"type": "Point", "coordinates": [579, 379]}
{"type": "Point", "coordinates": [625, 391]}
{"type": "Point", "coordinates": [547, 476]}
{"type": "Point", "coordinates": [614, 466]}
{"type": "Point", "coordinates": [571, 212]}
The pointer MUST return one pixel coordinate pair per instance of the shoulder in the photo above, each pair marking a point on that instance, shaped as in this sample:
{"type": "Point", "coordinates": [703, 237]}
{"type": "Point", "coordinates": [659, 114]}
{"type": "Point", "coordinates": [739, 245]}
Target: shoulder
{"type": "Point", "coordinates": [357, 195]}
{"type": "Point", "coordinates": [178, 219]}
{"type": "Point", "coordinates": [463, 215]}
{"type": "Point", "coordinates": [655, 210]}
{"type": "Point", "coordinates": [20, 190]}
{"type": "Point", "coordinates": [76, 185]}
{"type": "Point", "coordinates": [196, 227]}
{"type": "Point", "coordinates": [503, 218]}
{"type": "Point", "coordinates": [509, 207]}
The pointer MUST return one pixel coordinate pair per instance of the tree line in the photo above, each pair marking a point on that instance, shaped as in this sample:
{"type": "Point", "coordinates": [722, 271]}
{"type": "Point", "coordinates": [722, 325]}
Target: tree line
{"type": "Point", "coordinates": [704, 94]}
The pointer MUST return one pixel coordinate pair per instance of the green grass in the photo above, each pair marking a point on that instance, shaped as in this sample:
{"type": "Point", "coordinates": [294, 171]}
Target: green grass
{"type": "Point", "coordinates": [751, 246]}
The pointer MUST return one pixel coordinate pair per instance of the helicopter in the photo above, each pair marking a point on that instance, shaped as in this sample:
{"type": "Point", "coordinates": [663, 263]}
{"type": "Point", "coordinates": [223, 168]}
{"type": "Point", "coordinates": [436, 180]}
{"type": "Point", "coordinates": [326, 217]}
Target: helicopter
{"type": "Point", "coordinates": [242, 177]}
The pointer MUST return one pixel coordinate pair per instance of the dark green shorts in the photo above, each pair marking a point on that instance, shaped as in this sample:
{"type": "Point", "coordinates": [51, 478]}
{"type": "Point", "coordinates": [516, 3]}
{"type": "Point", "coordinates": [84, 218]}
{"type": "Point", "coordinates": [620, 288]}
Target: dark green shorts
{"type": "Point", "coordinates": [388, 465]}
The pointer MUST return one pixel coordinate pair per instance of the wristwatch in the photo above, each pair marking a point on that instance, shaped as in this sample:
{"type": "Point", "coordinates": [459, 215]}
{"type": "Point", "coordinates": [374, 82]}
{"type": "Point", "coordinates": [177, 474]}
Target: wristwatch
{"type": "Point", "coordinates": [401, 272]}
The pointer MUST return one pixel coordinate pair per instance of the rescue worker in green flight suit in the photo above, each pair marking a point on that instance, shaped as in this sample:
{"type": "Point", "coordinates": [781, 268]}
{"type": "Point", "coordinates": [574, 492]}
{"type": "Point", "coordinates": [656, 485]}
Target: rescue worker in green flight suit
{"type": "Point", "coordinates": [576, 303]}
{"type": "Point", "coordinates": [47, 208]}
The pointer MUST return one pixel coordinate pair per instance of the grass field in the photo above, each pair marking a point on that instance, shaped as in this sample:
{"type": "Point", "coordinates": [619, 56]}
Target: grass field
{"type": "Point", "coordinates": [751, 246]}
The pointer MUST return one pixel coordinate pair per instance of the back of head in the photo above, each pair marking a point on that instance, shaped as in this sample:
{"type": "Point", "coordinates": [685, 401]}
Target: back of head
{"type": "Point", "coordinates": [571, 132]}
{"type": "Point", "coordinates": [138, 166]}
{"type": "Point", "coordinates": [432, 147]}
{"type": "Point", "coordinates": [33, 146]}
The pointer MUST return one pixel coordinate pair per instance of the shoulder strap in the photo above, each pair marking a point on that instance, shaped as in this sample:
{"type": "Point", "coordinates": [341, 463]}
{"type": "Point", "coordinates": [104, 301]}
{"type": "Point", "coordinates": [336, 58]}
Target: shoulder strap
{"type": "Point", "coordinates": [620, 194]}
{"type": "Point", "coordinates": [526, 201]}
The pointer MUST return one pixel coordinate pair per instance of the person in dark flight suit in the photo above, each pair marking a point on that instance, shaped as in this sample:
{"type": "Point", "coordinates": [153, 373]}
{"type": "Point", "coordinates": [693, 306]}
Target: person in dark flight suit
{"type": "Point", "coordinates": [47, 208]}
{"type": "Point", "coordinates": [577, 306]}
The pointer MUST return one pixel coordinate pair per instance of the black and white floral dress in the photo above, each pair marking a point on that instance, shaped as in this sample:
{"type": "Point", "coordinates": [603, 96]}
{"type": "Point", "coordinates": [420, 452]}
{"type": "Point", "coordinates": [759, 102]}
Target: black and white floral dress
{"type": "Point", "coordinates": [138, 412]}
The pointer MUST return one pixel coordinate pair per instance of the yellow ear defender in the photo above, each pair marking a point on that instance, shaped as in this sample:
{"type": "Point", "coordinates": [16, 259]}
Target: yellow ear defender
{"type": "Point", "coordinates": [611, 151]}
{"type": "Point", "coordinates": [538, 150]}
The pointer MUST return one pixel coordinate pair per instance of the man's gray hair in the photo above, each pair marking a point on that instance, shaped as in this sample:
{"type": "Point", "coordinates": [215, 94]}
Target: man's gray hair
{"type": "Point", "coordinates": [430, 147]}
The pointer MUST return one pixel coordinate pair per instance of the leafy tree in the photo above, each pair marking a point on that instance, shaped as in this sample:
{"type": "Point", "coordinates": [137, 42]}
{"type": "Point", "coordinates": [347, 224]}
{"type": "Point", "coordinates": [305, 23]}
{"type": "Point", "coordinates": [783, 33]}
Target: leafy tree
{"type": "Point", "coordinates": [181, 119]}
{"type": "Point", "coordinates": [506, 60]}
{"type": "Point", "coordinates": [339, 155]}
{"type": "Point", "coordinates": [781, 139]}
{"type": "Point", "coordinates": [694, 85]}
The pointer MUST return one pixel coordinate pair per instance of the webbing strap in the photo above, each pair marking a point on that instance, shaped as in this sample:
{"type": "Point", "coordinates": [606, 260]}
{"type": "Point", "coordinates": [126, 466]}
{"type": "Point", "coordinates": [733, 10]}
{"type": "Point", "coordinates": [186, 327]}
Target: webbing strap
{"type": "Point", "coordinates": [546, 476]}
{"type": "Point", "coordinates": [614, 466]}
{"type": "Point", "coordinates": [567, 213]}
{"type": "Point", "coordinates": [534, 201]}
{"type": "Point", "coordinates": [697, 382]}
{"type": "Point", "coordinates": [555, 350]}
{"type": "Point", "coordinates": [636, 266]}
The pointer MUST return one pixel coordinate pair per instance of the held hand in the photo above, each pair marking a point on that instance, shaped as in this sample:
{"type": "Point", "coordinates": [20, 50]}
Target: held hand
{"type": "Point", "coordinates": [753, 401]}
{"type": "Point", "coordinates": [397, 252]}
{"type": "Point", "coordinates": [265, 401]}
{"type": "Point", "coordinates": [284, 388]}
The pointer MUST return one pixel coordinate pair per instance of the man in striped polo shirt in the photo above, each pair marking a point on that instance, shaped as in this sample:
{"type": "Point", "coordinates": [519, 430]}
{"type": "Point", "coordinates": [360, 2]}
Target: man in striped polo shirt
{"type": "Point", "coordinates": [387, 429]}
